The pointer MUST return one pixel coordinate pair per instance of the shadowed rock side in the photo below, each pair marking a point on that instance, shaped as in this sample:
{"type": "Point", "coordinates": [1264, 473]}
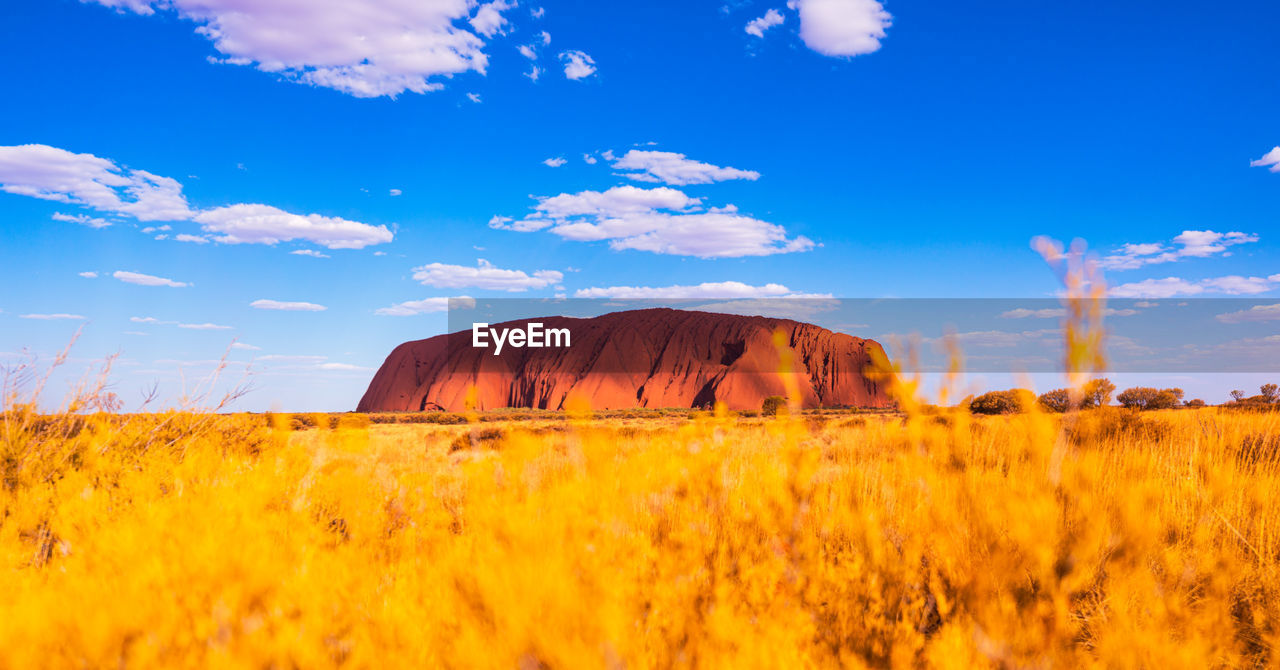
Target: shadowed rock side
{"type": "Point", "coordinates": [640, 358]}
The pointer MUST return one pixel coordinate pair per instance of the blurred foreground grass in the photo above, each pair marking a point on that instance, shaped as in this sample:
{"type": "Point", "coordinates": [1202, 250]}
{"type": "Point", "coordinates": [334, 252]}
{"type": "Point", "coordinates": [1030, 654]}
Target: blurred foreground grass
{"type": "Point", "coordinates": [1101, 539]}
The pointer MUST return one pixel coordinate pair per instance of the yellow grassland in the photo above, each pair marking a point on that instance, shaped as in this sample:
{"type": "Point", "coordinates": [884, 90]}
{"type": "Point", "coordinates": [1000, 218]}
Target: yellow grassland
{"type": "Point", "coordinates": [915, 540]}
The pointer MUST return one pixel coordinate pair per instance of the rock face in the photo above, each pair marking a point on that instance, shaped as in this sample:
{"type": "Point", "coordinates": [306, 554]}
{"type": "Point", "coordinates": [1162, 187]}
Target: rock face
{"type": "Point", "coordinates": [640, 358]}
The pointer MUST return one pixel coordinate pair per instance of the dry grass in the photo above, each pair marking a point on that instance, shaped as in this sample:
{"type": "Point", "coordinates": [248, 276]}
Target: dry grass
{"type": "Point", "coordinates": [936, 541]}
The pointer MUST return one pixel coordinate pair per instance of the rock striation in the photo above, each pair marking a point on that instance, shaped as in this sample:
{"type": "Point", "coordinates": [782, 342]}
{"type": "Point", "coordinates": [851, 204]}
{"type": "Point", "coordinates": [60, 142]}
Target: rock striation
{"type": "Point", "coordinates": [638, 358]}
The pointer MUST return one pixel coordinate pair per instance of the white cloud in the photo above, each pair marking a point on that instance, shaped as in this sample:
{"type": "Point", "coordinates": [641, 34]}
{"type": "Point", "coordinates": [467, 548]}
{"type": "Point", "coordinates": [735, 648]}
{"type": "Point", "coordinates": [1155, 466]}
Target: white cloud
{"type": "Point", "coordinates": [308, 252]}
{"type": "Point", "coordinates": [999, 338]}
{"type": "Point", "coordinates": [287, 306]}
{"type": "Point", "coordinates": [662, 220]}
{"type": "Point", "coordinates": [89, 275]}
{"type": "Point", "coordinates": [82, 219]}
{"type": "Point", "coordinates": [426, 306]}
{"type": "Point", "coordinates": [485, 276]}
{"type": "Point", "coordinates": [533, 73]}
{"type": "Point", "coordinates": [264, 224]}
{"type": "Point", "coordinates": [842, 27]}
{"type": "Point", "coordinates": [488, 20]}
{"type": "Point", "coordinates": [1059, 313]}
{"type": "Point", "coordinates": [146, 280]}
{"type": "Point", "coordinates": [245, 347]}
{"type": "Point", "coordinates": [50, 173]}
{"type": "Point", "coordinates": [195, 239]}
{"type": "Point", "coordinates": [1187, 244]}
{"type": "Point", "coordinates": [473, 97]}
{"type": "Point", "coordinates": [589, 159]}
{"type": "Point", "coordinates": [673, 168]}
{"type": "Point", "coordinates": [1271, 160]}
{"type": "Point", "coordinates": [555, 162]}
{"type": "Point", "coordinates": [52, 317]}
{"type": "Point", "coordinates": [770, 19]}
{"type": "Point", "coordinates": [344, 367]}
{"type": "Point", "coordinates": [1253, 314]}
{"type": "Point", "coordinates": [537, 13]}
{"type": "Point", "coordinates": [713, 290]}
{"type": "Point", "coordinates": [366, 49]}
{"type": "Point", "coordinates": [577, 65]}
{"type": "Point", "coordinates": [545, 36]}
{"type": "Point", "coordinates": [1174, 286]}
{"type": "Point", "coordinates": [528, 51]}
{"type": "Point", "coordinates": [203, 326]}
{"type": "Point", "coordinates": [394, 192]}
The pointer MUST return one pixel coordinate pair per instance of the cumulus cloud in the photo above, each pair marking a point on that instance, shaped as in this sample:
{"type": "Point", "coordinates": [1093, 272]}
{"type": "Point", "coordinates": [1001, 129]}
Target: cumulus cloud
{"type": "Point", "coordinates": [264, 224]}
{"type": "Point", "coordinates": [577, 65]}
{"type": "Point", "coordinates": [473, 97]}
{"type": "Point", "coordinates": [484, 276]}
{"type": "Point", "coordinates": [426, 306]}
{"type": "Point", "coordinates": [676, 169]}
{"type": "Point", "coordinates": [555, 162]}
{"type": "Point", "coordinates": [394, 192]}
{"type": "Point", "coordinates": [1270, 161]}
{"type": "Point", "coordinates": [1187, 244]}
{"type": "Point", "coordinates": [488, 20]}
{"type": "Point", "coordinates": [842, 27]}
{"type": "Point", "coordinates": [146, 280]}
{"type": "Point", "coordinates": [50, 173]}
{"type": "Point", "coordinates": [661, 220]}
{"type": "Point", "coordinates": [366, 49]}
{"type": "Point", "coordinates": [1170, 287]}
{"type": "Point", "coordinates": [89, 275]}
{"type": "Point", "coordinates": [308, 252]}
{"type": "Point", "coordinates": [194, 239]}
{"type": "Point", "coordinates": [287, 306]}
{"type": "Point", "coordinates": [770, 19]}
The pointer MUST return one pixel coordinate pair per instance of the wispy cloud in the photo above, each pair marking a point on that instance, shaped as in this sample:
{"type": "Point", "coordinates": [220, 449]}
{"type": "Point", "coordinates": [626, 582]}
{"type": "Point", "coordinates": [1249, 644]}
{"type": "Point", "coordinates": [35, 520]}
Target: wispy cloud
{"type": "Point", "coordinates": [82, 219]}
{"type": "Point", "coordinates": [287, 306]}
{"type": "Point", "coordinates": [676, 169]}
{"type": "Point", "coordinates": [425, 306]}
{"type": "Point", "coordinates": [1254, 314]}
{"type": "Point", "coordinates": [1188, 244]}
{"type": "Point", "coordinates": [187, 326]}
{"type": "Point", "coordinates": [1170, 287]}
{"type": "Point", "coordinates": [52, 317]}
{"type": "Point", "coordinates": [713, 290]}
{"type": "Point", "coordinates": [146, 280]}
{"type": "Point", "coordinates": [484, 276]}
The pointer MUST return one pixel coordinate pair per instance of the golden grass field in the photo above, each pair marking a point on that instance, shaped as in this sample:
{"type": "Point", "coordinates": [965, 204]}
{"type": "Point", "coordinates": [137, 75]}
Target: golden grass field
{"type": "Point", "coordinates": [1100, 539]}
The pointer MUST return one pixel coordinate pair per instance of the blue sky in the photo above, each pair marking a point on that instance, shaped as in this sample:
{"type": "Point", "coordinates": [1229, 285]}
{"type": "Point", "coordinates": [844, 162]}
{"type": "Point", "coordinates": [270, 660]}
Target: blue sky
{"type": "Point", "coordinates": [854, 150]}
